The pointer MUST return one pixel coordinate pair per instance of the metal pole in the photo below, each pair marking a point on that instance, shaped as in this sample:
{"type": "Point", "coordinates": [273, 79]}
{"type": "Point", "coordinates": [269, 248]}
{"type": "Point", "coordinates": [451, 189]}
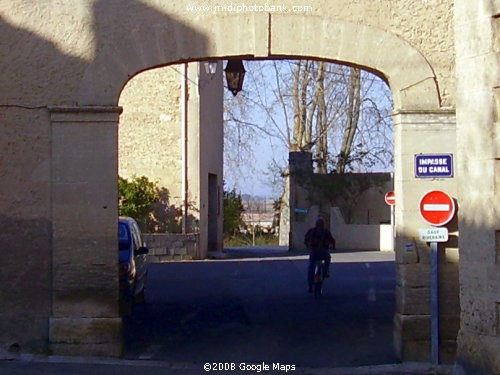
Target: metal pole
{"type": "Point", "coordinates": [393, 225]}
{"type": "Point", "coordinates": [434, 303]}
{"type": "Point", "coordinates": [184, 146]}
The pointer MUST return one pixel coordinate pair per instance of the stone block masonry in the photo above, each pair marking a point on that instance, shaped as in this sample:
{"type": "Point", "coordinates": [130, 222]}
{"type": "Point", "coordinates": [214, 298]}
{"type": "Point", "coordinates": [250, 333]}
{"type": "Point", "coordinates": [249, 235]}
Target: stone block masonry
{"type": "Point", "coordinates": [58, 189]}
{"type": "Point", "coordinates": [172, 247]}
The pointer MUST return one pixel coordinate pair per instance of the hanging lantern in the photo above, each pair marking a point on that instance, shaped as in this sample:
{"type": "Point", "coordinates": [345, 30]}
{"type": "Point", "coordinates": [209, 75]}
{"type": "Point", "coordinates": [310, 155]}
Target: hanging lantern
{"type": "Point", "coordinates": [235, 73]}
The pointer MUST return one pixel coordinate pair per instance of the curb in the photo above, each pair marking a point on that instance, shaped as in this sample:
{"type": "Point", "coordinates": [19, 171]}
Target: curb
{"type": "Point", "coordinates": [409, 368]}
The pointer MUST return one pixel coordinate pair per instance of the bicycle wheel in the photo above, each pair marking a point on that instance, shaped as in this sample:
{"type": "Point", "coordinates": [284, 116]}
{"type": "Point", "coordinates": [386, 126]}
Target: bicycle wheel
{"type": "Point", "coordinates": [317, 289]}
{"type": "Point", "coordinates": [318, 280]}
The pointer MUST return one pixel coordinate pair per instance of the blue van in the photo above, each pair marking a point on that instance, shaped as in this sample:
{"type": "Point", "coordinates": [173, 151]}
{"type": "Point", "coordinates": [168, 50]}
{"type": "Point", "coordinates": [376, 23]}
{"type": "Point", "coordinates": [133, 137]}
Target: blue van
{"type": "Point", "coordinates": [133, 265]}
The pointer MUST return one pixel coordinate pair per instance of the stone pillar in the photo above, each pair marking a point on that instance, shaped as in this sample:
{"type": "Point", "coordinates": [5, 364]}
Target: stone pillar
{"type": "Point", "coordinates": [477, 41]}
{"type": "Point", "coordinates": [85, 318]}
{"type": "Point", "coordinates": [301, 167]}
{"type": "Point", "coordinates": [284, 229]}
{"type": "Point", "coordinates": [422, 132]}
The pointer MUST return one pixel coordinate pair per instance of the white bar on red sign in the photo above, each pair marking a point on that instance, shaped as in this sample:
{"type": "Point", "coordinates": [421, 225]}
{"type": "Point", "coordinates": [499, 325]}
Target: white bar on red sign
{"type": "Point", "coordinates": [437, 207]}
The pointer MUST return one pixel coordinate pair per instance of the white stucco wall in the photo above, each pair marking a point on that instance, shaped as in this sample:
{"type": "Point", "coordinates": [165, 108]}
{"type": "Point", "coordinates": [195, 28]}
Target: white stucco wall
{"type": "Point", "coordinates": [360, 236]}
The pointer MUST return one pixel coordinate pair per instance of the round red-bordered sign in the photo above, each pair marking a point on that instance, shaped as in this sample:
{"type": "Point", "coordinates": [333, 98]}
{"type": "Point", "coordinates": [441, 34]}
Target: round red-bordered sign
{"type": "Point", "coordinates": [390, 198]}
{"type": "Point", "coordinates": [437, 207]}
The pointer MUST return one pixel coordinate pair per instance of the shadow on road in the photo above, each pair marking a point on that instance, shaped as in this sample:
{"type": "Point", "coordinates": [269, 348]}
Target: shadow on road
{"type": "Point", "coordinates": [252, 252]}
{"type": "Point", "coordinates": [258, 310]}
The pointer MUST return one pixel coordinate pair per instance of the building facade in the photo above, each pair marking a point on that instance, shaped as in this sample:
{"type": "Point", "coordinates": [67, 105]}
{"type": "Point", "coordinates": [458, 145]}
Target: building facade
{"type": "Point", "coordinates": [65, 64]}
{"type": "Point", "coordinates": [165, 112]}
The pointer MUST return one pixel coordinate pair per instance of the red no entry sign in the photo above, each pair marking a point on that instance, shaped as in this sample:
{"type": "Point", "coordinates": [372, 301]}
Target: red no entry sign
{"type": "Point", "coordinates": [437, 207]}
{"type": "Point", "coordinates": [390, 198]}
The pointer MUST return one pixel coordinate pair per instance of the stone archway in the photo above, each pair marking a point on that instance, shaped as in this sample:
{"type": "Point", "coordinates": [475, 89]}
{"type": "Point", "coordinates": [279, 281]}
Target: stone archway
{"type": "Point", "coordinates": [85, 52]}
{"type": "Point", "coordinates": [417, 110]}
{"type": "Point", "coordinates": [63, 68]}
{"type": "Point", "coordinates": [410, 76]}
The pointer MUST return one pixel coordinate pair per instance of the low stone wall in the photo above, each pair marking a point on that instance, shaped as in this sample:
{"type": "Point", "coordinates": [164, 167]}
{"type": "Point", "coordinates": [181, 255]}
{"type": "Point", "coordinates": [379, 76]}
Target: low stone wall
{"type": "Point", "coordinates": [172, 247]}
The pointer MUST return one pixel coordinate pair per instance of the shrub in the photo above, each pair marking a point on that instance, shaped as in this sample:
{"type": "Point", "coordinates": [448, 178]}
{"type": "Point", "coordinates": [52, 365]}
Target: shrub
{"type": "Point", "coordinates": [136, 198]}
{"type": "Point", "coordinates": [233, 209]}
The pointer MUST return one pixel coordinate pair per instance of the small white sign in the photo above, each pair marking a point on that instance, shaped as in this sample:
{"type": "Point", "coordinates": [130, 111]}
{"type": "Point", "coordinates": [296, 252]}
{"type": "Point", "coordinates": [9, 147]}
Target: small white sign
{"type": "Point", "coordinates": [433, 234]}
{"type": "Point", "coordinates": [437, 207]}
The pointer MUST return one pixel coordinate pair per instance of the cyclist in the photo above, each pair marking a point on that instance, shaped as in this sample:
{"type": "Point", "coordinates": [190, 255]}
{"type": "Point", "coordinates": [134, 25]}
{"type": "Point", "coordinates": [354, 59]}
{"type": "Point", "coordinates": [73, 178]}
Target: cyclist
{"type": "Point", "coordinates": [319, 241]}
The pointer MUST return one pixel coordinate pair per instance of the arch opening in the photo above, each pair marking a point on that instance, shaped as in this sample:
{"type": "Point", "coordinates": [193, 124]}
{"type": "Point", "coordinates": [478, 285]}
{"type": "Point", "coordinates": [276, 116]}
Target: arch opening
{"type": "Point", "coordinates": [155, 116]}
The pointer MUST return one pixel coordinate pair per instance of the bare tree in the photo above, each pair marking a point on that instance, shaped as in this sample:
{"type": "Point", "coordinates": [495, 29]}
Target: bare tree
{"type": "Point", "coordinates": [340, 114]}
{"type": "Point", "coordinates": [352, 118]}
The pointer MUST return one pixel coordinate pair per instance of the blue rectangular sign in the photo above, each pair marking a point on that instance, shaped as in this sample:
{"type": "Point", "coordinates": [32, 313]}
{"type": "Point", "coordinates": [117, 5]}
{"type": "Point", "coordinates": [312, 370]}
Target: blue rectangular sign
{"type": "Point", "coordinates": [434, 165]}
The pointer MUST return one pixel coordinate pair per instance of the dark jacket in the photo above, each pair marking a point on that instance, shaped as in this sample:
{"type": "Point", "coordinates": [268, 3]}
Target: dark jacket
{"type": "Point", "coordinates": [319, 238]}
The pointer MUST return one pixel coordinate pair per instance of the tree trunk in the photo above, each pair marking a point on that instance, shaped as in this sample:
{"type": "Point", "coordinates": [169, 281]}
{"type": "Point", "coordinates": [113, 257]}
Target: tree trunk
{"type": "Point", "coordinates": [321, 122]}
{"type": "Point", "coordinates": [353, 109]}
{"type": "Point", "coordinates": [302, 135]}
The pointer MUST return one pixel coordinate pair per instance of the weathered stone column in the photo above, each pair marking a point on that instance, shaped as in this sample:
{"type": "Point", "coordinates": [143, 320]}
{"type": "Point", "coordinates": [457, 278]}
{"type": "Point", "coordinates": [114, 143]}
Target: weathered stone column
{"type": "Point", "coordinates": [422, 132]}
{"type": "Point", "coordinates": [300, 166]}
{"type": "Point", "coordinates": [84, 169]}
{"type": "Point", "coordinates": [477, 45]}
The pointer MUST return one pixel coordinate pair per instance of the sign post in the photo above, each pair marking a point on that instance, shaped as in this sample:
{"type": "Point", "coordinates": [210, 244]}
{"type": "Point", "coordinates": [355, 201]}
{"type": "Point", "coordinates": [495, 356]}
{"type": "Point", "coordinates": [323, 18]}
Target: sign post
{"type": "Point", "coordinates": [434, 303]}
{"type": "Point", "coordinates": [390, 200]}
{"type": "Point", "coordinates": [437, 208]}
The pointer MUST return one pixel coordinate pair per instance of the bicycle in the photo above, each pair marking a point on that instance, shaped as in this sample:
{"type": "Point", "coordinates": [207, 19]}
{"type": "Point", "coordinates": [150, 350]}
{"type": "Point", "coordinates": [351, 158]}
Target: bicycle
{"type": "Point", "coordinates": [319, 276]}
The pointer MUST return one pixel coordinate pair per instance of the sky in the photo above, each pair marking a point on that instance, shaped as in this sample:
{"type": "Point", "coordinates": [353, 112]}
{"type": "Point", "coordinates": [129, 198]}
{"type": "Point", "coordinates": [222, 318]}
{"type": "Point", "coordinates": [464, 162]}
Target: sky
{"type": "Point", "coordinates": [253, 175]}
{"type": "Point", "coordinates": [255, 179]}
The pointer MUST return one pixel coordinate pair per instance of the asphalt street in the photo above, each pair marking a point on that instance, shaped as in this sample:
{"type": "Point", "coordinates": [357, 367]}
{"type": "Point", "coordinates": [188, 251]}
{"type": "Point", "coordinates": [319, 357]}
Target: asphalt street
{"type": "Point", "coordinates": [257, 310]}
{"type": "Point", "coordinates": [249, 314]}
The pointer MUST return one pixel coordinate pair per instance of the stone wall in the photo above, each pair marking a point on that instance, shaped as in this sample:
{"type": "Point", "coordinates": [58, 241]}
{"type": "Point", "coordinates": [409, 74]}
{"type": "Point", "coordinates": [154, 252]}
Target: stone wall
{"type": "Point", "coordinates": [172, 247]}
{"type": "Point", "coordinates": [412, 322]}
{"type": "Point", "coordinates": [150, 130]}
{"type": "Point", "coordinates": [166, 112]}
{"type": "Point", "coordinates": [478, 142]}
{"type": "Point", "coordinates": [76, 58]}
{"type": "Point", "coordinates": [84, 312]}
{"type": "Point", "coordinates": [360, 236]}
{"type": "Point", "coordinates": [427, 25]}
{"type": "Point", "coordinates": [423, 132]}
{"type": "Point", "coordinates": [358, 197]}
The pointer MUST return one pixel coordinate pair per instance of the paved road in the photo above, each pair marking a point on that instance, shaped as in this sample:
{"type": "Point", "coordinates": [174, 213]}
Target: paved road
{"type": "Point", "coordinates": [258, 310]}
{"type": "Point", "coordinates": [253, 311]}
{"type": "Point", "coordinates": [92, 366]}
